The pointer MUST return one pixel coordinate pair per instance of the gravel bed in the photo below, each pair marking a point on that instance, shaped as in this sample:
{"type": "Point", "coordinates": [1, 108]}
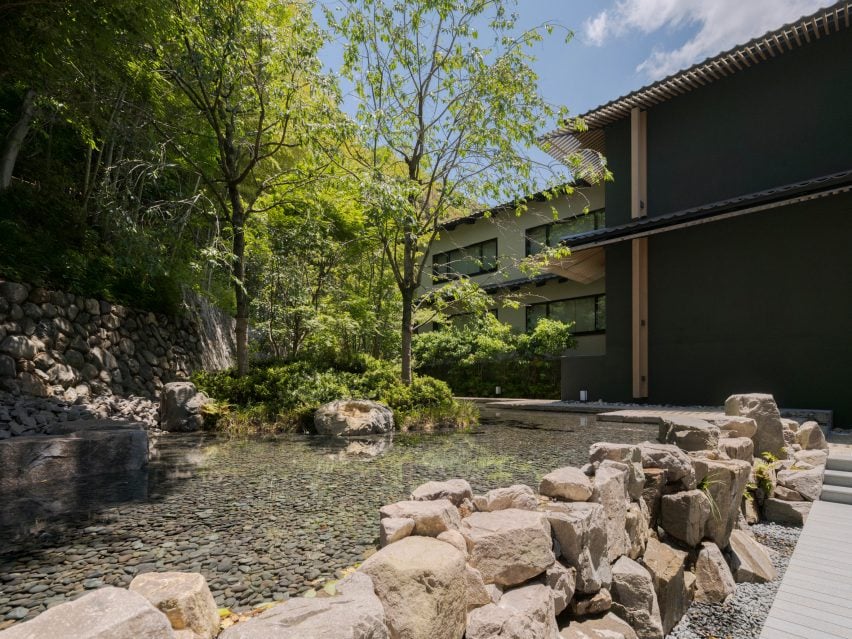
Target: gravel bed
{"type": "Point", "coordinates": [743, 614]}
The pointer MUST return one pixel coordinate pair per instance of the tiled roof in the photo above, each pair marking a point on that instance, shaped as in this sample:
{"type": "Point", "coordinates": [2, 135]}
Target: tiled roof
{"type": "Point", "coordinates": [752, 202]}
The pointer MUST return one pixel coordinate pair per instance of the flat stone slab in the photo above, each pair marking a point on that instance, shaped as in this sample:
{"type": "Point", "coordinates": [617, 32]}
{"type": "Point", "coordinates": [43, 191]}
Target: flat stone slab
{"type": "Point", "coordinates": [102, 447]}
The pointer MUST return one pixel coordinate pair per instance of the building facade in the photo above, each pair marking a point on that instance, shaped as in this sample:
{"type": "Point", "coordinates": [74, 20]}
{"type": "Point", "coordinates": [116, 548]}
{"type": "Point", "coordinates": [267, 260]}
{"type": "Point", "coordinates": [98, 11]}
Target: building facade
{"type": "Point", "coordinates": [488, 247]}
{"type": "Point", "coordinates": [719, 259]}
{"type": "Point", "coordinates": [728, 239]}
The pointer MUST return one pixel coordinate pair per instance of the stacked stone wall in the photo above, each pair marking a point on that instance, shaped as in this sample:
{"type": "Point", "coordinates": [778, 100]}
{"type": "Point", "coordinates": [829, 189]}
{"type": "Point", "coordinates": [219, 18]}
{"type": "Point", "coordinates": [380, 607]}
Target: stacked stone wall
{"type": "Point", "coordinates": [64, 345]}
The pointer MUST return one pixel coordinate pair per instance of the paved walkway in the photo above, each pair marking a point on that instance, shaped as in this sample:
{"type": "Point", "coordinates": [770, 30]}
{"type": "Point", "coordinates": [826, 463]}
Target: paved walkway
{"type": "Point", "coordinates": [815, 597]}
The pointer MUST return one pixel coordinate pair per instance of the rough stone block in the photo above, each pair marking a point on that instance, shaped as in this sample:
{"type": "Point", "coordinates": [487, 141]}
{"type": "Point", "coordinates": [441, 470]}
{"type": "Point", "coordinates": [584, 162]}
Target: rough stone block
{"type": "Point", "coordinates": [183, 597]}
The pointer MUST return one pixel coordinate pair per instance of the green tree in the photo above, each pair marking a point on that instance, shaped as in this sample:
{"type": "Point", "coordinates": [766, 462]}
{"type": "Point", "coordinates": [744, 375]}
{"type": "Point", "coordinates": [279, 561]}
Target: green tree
{"type": "Point", "coordinates": [253, 94]}
{"type": "Point", "coordinates": [446, 117]}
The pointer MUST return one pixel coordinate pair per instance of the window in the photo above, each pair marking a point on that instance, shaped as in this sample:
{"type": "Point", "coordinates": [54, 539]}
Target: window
{"type": "Point", "coordinates": [475, 259]}
{"type": "Point", "coordinates": [548, 235]}
{"type": "Point", "coordinates": [587, 313]}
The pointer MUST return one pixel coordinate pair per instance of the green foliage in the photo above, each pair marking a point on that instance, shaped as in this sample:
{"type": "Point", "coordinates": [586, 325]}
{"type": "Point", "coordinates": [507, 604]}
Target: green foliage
{"type": "Point", "coordinates": [476, 356]}
{"type": "Point", "coordinates": [280, 396]}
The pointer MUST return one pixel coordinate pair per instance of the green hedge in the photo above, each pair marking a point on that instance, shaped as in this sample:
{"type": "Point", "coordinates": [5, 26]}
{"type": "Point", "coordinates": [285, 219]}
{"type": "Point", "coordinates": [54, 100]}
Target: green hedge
{"type": "Point", "coordinates": [534, 378]}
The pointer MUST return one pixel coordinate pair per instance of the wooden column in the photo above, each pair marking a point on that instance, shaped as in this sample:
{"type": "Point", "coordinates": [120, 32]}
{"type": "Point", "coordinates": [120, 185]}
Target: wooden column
{"type": "Point", "coordinates": [639, 288]}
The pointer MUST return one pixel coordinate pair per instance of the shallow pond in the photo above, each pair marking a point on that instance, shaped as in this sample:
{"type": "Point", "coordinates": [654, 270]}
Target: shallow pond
{"type": "Point", "coordinates": [267, 519]}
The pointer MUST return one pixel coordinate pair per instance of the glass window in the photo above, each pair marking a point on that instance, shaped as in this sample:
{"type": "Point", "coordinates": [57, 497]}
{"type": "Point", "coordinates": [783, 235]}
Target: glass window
{"type": "Point", "coordinates": [551, 234]}
{"type": "Point", "coordinates": [470, 260]}
{"type": "Point", "coordinates": [588, 314]}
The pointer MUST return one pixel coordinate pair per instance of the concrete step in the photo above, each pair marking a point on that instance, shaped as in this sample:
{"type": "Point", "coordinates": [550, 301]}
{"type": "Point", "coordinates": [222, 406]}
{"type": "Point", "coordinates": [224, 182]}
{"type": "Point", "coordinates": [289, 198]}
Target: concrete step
{"type": "Point", "coordinates": [837, 494]}
{"type": "Point", "coordinates": [837, 478]}
{"type": "Point", "coordinates": [839, 462]}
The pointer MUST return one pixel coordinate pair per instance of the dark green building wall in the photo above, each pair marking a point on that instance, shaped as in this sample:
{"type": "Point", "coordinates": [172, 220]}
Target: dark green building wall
{"type": "Point", "coordinates": [759, 303]}
{"type": "Point", "coordinates": [779, 122]}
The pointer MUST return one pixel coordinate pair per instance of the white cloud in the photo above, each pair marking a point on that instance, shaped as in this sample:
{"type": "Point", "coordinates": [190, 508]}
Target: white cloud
{"type": "Point", "coordinates": [721, 25]}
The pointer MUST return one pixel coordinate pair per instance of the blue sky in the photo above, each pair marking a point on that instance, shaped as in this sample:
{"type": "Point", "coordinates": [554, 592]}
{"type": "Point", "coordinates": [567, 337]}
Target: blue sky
{"type": "Point", "coordinates": [622, 45]}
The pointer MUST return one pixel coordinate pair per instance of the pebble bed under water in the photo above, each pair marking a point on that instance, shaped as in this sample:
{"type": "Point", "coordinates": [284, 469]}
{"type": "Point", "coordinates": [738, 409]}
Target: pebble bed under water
{"type": "Point", "coordinates": [265, 520]}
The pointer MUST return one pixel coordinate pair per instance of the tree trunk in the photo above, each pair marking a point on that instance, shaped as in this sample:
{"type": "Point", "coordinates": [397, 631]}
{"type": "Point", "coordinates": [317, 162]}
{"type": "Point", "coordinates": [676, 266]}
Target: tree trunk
{"type": "Point", "coordinates": [15, 139]}
{"type": "Point", "coordinates": [238, 273]}
{"type": "Point", "coordinates": [407, 330]}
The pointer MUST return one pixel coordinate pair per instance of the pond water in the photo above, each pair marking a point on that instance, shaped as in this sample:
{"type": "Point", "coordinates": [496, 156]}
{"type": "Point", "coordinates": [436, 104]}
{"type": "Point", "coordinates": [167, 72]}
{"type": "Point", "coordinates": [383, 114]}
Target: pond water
{"type": "Point", "coordinates": [267, 519]}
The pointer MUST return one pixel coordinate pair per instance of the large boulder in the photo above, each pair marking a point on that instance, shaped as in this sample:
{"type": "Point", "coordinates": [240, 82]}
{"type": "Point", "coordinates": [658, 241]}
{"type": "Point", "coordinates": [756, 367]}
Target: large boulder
{"type": "Point", "coordinates": [666, 564]}
{"type": "Point", "coordinates": [610, 490]}
{"type": "Point", "coordinates": [808, 483]}
{"type": "Point", "coordinates": [739, 426]}
{"type": "Point", "coordinates": [106, 613]}
{"type": "Point", "coordinates": [353, 417]}
{"type": "Point", "coordinates": [738, 448]}
{"type": "Point", "coordinates": [673, 460]}
{"type": "Point", "coordinates": [786, 512]}
{"type": "Point", "coordinates": [607, 627]}
{"type": "Point", "coordinates": [750, 560]}
{"type": "Point", "coordinates": [562, 581]}
{"type": "Point", "coordinates": [521, 613]}
{"type": "Point", "coordinates": [508, 546]}
{"type": "Point", "coordinates": [579, 530]}
{"type": "Point", "coordinates": [689, 433]}
{"type": "Point", "coordinates": [184, 598]}
{"type": "Point", "coordinates": [18, 347]}
{"type": "Point", "coordinates": [634, 598]}
{"type": "Point", "coordinates": [421, 584]}
{"type": "Point", "coordinates": [683, 515]}
{"type": "Point", "coordinates": [769, 436]}
{"type": "Point", "coordinates": [713, 579]}
{"type": "Point", "coordinates": [725, 482]}
{"type": "Point", "coordinates": [354, 613]}
{"type": "Point", "coordinates": [180, 407]}
{"type": "Point", "coordinates": [637, 527]}
{"type": "Point", "coordinates": [652, 493]}
{"type": "Point", "coordinates": [568, 483]}
{"type": "Point", "coordinates": [455, 490]}
{"type": "Point", "coordinates": [431, 518]}
{"type": "Point", "coordinates": [810, 437]}
{"type": "Point", "coordinates": [516, 496]}
{"type": "Point", "coordinates": [626, 454]}
{"type": "Point", "coordinates": [393, 529]}
{"type": "Point", "coordinates": [812, 457]}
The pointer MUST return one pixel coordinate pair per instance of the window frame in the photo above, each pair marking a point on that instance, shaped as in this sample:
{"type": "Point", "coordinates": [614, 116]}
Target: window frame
{"type": "Point", "coordinates": [450, 259]}
{"type": "Point", "coordinates": [599, 216]}
{"type": "Point", "coordinates": [598, 297]}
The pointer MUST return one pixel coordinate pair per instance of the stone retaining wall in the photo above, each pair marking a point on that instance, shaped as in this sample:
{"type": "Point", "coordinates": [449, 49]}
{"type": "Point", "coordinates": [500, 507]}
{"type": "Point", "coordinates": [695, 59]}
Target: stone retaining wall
{"type": "Point", "coordinates": [65, 345]}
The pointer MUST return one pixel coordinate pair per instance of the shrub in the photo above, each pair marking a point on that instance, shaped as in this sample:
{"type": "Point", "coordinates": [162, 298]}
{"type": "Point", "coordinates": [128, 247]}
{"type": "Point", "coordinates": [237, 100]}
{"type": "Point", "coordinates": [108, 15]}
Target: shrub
{"type": "Point", "coordinates": [286, 396]}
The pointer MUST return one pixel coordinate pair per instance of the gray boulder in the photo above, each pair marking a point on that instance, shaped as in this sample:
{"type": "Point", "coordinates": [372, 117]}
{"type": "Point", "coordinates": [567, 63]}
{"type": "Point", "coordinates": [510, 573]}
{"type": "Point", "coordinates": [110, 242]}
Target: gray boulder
{"type": "Point", "coordinates": [808, 483]}
{"type": "Point", "coordinates": [713, 579]}
{"type": "Point", "coordinates": [431, 518]}
{"type": "Point", "coordinates": [683, 515]}
{"type": "Point", "coordinates": [786, 512]}
{"type": "Point", "coordinates": [509, 546]}
{"type": "Point", "coordinates": [810, 437]}
{"type": "Point", "coordinates": [689, 433]}
{"type": "Point", "coordinates": [634, 598]}
{"type": "Point", "coordinates": [769, 436]}
{"type": "Point", "coordinates": [579, 530]}
{"type": "Point", "coordinates": [456, 490]}
{"type": "Point", "coordinates": [516, 496]}
{"type": "Point", "coordinates": [521, 613]}
{"type": "Point", "coordinates": [607, 627]}
{"type": "Point", "coordinates": [422, 586]}
{"type": "Point", "coordinates": [673, 460]}
{"type": "Point", "coordinates": [106, 613]}
{"type": "Point", "coordinates": [355, 613]}
{"type": "Point", "coordinates": [568, 483]}
{"type": "Point", "coordinates": [666, 564]}
{"type": "Point", "coordinates": [750, 560]}
{"type": "Point", "coordinates": [610, 490]}
{"type": "Point", "coordinates": [184, 598]}
{"type": "Point", "coordinates": [353, 417]}
{"type": "Point", "coordinates": [626, 454]}
{"type": "Point", "coordinates": [18, 346]}
{"type": "Point", "coordinates": [180, 407]}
